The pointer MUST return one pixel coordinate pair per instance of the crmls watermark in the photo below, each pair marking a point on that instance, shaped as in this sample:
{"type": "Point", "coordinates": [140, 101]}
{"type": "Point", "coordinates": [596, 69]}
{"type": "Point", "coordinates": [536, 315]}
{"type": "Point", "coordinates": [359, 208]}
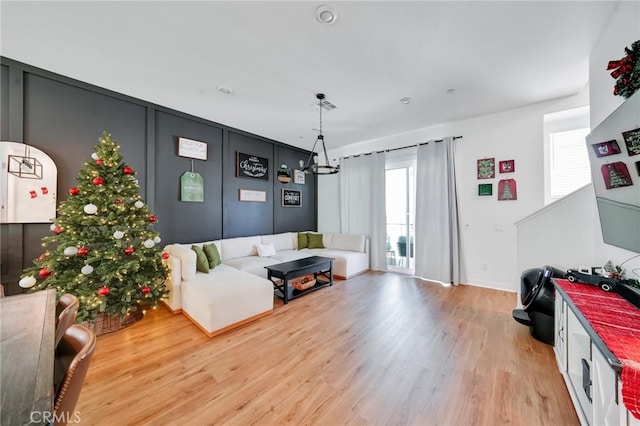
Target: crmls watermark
{"type": "Point", "coordinates": [49, 417]}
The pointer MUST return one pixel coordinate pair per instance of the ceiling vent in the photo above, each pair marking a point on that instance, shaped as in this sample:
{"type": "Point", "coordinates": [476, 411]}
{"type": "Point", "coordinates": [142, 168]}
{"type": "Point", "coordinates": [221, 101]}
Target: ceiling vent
{"type": "Point", "coordinates": [324, 104]}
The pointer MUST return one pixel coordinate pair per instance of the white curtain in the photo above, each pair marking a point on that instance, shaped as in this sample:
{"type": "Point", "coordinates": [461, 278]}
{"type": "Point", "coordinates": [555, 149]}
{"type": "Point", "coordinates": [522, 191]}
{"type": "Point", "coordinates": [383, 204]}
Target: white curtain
{"type": "Point", "coordinates": [437, 249]}
{"type": "Point", "coordinates": [362, 202]}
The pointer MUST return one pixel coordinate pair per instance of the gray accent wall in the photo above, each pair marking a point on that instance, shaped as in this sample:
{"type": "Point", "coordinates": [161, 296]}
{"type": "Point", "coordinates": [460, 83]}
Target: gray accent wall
{"type": "Point", "coordinates": [65, 117]}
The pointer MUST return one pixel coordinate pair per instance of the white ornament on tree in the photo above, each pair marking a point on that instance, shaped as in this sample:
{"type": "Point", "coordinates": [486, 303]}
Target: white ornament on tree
{"type": "Point", "coordinates": [139, 204]}
{"type": "Point", "coordinates": [157, 240]}
{"type": "Point", "coordinates": [95, 156]}
{"type": "Point", "coordinates": [90, 209]}
{"type": "Point", "coordinates": [27, 282]}
{"type": "Point", "coordinates": [118, 235]}
{"type": "Point", "coordinates": [52, 226]}
{"type": "Point", "coordinates": [148, 243]}
{"type": "Point", "coordinates": [87, 269]}
{"type": "Point", "coordinates": [70, 251]}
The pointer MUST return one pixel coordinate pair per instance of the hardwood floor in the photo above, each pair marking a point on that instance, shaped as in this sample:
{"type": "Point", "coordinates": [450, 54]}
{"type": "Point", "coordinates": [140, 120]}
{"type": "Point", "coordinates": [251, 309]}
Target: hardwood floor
{"type": "Point", "coordinates": [380, 348]}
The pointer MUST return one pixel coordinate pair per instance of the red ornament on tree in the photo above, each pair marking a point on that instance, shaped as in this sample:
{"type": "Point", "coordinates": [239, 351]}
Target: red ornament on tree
{"type": "Point", "coordinates": [129, 251]}
{"type": "Point", "coordinates": [44, 273]}
{"type": "Point", "coordinates": [145, 290]}
{"type": "Point", "coordinates": [127, 170]}
{"type": "Point", "coordinates": [165, 255]}
{"type": "Point", "coordinates": [57, 230]}
{"type": "Point", "coordinates": [152, 219]}
{"type": "Point", "coordinates": [82, 251]}
{"type": "Point", "coordinates": [104, 291]}
{"type": "Point", "coordinates": [74, 191]}
{"type": "Point", "coordinates": [43, 256]}
{"type": "Point", "coordinates": [117, 201]}
{"type": "Point", "coordinates": [98, 181]}
{"type": "Point", "coordinates": [99, 162]}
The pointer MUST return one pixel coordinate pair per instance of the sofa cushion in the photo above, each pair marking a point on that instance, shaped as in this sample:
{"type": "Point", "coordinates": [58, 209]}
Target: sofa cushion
{"type": "Point", "coordinates": [315, 241]}
{"type": "Point", "coordinates": [233, 248]}
{"type": "Point", "coordinates": [281, 242]}
{"type": "Point", "coordinates": [266, 250]}
{"type": "Point", "coordinates": [289, 255]}
{"type": "Point", "coordinates": [202, 263]}
{"type": "Point", "coordinates": [348, 242]}
{"type": "Point", "coordinates": [211, 251]}
{"type": "Point", "coordinates": [303, 240]}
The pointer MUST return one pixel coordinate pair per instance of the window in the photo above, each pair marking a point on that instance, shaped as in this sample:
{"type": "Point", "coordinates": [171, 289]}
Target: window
{"type": "Point", "coordinates": [566, 160]}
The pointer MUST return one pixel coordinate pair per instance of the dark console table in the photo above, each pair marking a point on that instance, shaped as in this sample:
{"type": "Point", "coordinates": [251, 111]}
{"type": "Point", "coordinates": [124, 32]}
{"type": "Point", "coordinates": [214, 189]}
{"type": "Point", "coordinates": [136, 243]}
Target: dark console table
{"type": "Point", "coordinates": [27, 339]}
{"type": "Point", "coordinates": [320, 267]}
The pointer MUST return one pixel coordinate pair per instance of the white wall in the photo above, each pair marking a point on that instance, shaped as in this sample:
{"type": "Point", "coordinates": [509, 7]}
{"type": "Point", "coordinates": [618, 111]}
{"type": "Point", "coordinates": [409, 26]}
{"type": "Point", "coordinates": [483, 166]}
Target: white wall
{"type": "Point", "coordinates": [488, 255]}
{"type": "Point", "coordinates": [488, 237]}
{"type": "Point", "coordinates": [623, 29]}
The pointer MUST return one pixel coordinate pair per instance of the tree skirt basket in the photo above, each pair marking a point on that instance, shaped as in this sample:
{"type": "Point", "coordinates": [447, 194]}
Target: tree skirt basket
{"type": "Point", "coordinates": [303, 283]}
{"type": "Point", "coordinates": [106, 323]}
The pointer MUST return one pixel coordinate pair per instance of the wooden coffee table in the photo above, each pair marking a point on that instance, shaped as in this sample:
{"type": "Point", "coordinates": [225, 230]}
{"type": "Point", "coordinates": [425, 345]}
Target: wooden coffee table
{"type": "Point", "coordinates": [320, 267]}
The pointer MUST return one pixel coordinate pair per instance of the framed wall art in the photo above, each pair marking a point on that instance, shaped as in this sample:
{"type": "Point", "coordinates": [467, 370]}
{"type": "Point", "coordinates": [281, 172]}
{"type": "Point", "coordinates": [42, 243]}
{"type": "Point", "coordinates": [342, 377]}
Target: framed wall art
{"type": "Point", "coordinates": [485, 189]}
{"type": "Point", "coordinates": [486, 168]}
{"type": "Point", "coordinates": [291, 198]}
{"type": "Point", "coordinates": [632, 140]}
{"type": "Point", "coordinates": [607, 148]}
{"type": "Point", "coordinates": [190, 148]}
{"type": "Point", "coordinates": [507, 190]}
{"type": "Point", "coordinates": [252, 195]}
{"type": "Point", "coordinates": [616, 175]}
{"type": "Point", "coordinates": [507, 166]}
{"type": "Point", "coordinates": [298, 177]}
{"type": "Point", "coordinates": [252, 166]}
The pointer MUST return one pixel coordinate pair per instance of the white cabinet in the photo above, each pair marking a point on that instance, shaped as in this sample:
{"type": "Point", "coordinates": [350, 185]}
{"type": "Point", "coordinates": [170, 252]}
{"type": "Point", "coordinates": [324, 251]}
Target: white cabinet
{"type": "Point", "coordinates": [579, 368]}
{"type": "Point", "coordinates": [606, 410]}
{"type": "Point", "coordinates": [560, 329]}
{"type": "Point", "coordinates": [592, 382]}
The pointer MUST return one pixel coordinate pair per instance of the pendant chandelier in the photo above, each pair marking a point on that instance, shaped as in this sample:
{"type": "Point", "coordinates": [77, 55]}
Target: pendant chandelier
{"type": "Point", "coordinates": [313, 165]}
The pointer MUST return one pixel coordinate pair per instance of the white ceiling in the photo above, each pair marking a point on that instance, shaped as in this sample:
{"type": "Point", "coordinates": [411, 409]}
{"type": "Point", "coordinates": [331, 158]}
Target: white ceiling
{"type": "Point", "coordinates": [275, 56]}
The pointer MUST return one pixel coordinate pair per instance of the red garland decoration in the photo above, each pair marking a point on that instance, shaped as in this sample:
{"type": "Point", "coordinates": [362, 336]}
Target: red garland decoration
{"type": "Point", "coordinates": [627, 71]}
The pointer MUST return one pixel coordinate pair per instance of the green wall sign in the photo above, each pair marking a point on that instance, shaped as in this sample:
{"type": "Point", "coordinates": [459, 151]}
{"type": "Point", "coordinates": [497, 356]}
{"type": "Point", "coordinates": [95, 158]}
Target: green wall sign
{"type": "Point", "coordinates": [191, 187]}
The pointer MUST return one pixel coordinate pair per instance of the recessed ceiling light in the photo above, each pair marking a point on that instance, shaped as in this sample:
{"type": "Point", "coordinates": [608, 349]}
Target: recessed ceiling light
{"type": "Point", "coordinates": [451, 91]}
{"type": "Point", "coordinates": [225, 90]}
{"type": "Point", "coordinates": [326, 14]}
{"type": "Point", "coordinates": [405, 101]}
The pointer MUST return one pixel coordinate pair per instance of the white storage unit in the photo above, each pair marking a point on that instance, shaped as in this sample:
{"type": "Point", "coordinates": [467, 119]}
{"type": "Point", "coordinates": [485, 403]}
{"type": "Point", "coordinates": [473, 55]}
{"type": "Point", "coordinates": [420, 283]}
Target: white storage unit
{"type": "Point", "coordinates": [590, 371]}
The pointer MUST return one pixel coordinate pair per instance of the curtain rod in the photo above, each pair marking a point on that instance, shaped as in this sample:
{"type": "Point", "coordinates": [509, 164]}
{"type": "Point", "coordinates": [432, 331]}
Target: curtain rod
{"type": "Point", "coordinates": [402, 147]}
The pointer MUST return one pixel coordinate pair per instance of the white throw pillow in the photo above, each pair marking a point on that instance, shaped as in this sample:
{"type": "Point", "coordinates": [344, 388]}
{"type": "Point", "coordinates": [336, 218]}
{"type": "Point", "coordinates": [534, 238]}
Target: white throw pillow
{"type": "Point", "coordinates": [266, 250]}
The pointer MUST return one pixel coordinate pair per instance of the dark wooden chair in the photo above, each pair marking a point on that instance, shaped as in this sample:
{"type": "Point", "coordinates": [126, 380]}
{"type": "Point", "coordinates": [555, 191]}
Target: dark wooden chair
{"type": "Point", "coordinates": [70, 368]}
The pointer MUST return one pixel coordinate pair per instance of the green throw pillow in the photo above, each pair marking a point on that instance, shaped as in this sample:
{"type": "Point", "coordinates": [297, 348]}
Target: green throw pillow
{"type": "Point", "coordinates": [315, 241]}
{"type": "Point", "coordinates": [303, 240]}
{"type": "Point", "coordinates": [202, 263]}
{"type": "Point", "coordinates": [211, 251]}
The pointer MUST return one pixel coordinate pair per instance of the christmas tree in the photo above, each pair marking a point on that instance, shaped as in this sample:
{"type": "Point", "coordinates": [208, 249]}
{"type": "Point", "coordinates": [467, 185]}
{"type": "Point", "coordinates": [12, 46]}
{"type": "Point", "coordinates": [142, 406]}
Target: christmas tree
{"type": "Point", "coordinates": [104, 250]}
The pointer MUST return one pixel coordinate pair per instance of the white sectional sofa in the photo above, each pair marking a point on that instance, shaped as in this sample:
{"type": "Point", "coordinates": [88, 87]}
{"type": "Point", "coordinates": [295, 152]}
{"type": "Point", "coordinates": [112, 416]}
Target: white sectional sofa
{"type": "Point", "coordinates": [237, 291]}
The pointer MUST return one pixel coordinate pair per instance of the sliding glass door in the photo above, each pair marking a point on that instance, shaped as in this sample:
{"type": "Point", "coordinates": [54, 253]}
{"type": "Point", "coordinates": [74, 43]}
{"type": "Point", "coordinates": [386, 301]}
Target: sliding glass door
{"type": "Point", "coordinates": [400, 208]}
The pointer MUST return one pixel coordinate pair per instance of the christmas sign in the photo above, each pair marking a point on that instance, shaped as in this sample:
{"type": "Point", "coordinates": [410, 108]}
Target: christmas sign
{"type": "Point", "coordinates": [632, 139]}
{"type": "Point", "coordinates": [507, 190]}
{"type": "Point", "coordinates": [251, 166]}
{"type": "Point", "coordinates": [191, 187]}
{"type": "Point", "coordinates": [192, 149]}
{"type": "Point", "coordinates": [607, 148]}
{"type": "Point", "coordinates": [616, 175]}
